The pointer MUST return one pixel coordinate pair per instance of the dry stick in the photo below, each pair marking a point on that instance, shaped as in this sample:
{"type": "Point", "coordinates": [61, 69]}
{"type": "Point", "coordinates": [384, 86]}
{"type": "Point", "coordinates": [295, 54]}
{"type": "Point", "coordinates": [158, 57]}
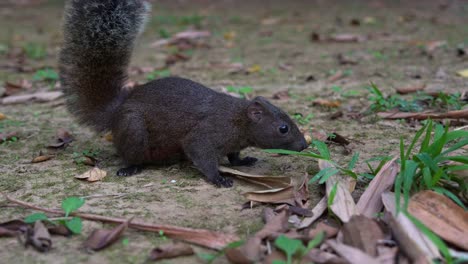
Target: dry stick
{"type": "Point", "coordinates": [201, 237]}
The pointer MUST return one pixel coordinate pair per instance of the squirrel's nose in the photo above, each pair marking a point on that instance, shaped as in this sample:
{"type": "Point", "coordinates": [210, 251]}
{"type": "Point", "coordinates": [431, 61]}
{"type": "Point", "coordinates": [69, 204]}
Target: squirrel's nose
{"type": "Point", "coordinates": [304, 144]}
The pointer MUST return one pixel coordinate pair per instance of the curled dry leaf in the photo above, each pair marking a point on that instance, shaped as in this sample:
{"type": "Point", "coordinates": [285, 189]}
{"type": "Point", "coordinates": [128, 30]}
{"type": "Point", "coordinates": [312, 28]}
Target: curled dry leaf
{"type": "Point", "coordinates": [12, 228]}
{"type": "Point", "coordinates": [274, 196]}
{"type": "Point", "coordinates": [172, 250]}
{"type": "Point", "coordinates": [370, 202]}
{"type": "Point", "coordinates": [39, 237]}
{"type": "Point", "coordinates": [441, 215]}
{"type": "Point", "coordinates": [102, 238]}
{"type": "Point", "coordinates": [267, 181]}
{"type": "Point", "coordinates": [2, 116]}
{"type": "Point", "coordinates": [326, 103]}
{"type": "Point", "coordinates": [92, 175]}
{"type": "Point", "coordinates": [318, 210]}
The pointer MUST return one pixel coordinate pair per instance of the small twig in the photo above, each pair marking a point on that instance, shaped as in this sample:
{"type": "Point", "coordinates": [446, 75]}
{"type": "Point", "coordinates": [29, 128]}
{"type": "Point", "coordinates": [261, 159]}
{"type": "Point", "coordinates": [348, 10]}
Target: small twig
{"type": "Point", "coordinates": [201, 237]}
{"type": "Point", "coordinates": [104, 195]}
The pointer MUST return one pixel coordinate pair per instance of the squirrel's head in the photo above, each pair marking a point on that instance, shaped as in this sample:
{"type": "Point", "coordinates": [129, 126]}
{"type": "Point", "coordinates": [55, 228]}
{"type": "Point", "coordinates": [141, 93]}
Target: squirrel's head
{"type": "Point", "coordinates": [271, 128]}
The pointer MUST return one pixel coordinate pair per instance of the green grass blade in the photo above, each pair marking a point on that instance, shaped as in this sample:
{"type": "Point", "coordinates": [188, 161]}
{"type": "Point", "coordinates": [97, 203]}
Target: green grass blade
{"type": "Point", "coordinates": [353, 161]}
{"type": "Point", "coordinates": [427, 137]}
{"type": "Point", "coordinates": [323, 149]}
{"type": "Point", "coordinates": [290, 152]}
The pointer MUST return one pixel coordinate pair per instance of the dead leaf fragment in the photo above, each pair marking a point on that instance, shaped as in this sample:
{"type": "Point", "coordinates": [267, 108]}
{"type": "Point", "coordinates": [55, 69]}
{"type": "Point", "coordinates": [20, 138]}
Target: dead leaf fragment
{"type": "Point", "coordinates": [335, 77]}
{"type": "Point", "coordinates": [411, 88]}
{"type": "Point", "coordinates": [102, 238]}
{"type": "Point", "coordinates": [62, 139]}
{"type": "Point", "coordinates": [330, 231]}
{"type": "Point", "coordinates": [463, 73]}
{"type": "Point", "coordinates": [36, 97]}
{"type": "Point", "coordinates": [363, 233]}
{"type": "Point", "coordinates": [370, 202]}
{"type": "Point", "coordinates": [12, 228]}
{"type": "Point", "coordinates": [92, 175]}
{"type": "Point", "coordinates": [41, 158]}
{"type": "Point", "coordinates": [441, 215]}
{"type": "Point", "coordinates": [172, 250]}
{"type": "Point", "coordinates": [39, 237]}
{"type": "Point", "coordinates": [281, 95]}
{"type": "Point", "coordinates": [351, 254]}
{"type": "Point", "coordinates": [317, 211]}
{"type": "Point", "coordinates": [263, 180]}
{"type": "Point", "coordinates": [2, 116]}
{"type": "Point", "coordinates": [278, 195]}
{"type": "Point", "coordinates": [326, 103]}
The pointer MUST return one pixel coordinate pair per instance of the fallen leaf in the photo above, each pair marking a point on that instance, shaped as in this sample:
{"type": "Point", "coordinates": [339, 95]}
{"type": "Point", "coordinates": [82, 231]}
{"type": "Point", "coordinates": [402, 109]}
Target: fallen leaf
{"type": "Point", "coordinates": [442, 216]}
{"type": "Point", "coordinates": [36, 97]}
{"type": "Point", "coordinates": [13, 88]}
{"type": "Point", "coordinates": [411, 89]}
{"type": "Point", "coordinates": [326, 103]}
{"type": "Point", "coordinates": [254, 69]}
{"type": "Point", "coordinates": [281, 95]}
{"type": "Point", "coordinates": [250, 252]}
{"type": "Point", "coordinates": [345, 60]}
{"type": "Point", "coordinates": [92, 175]}
{"type": "Point", "coordinates": [12, 228]}
{"type": "Point", "coordinates": [267, 181]}
{"type": "Point", "coordinates": [278, 195]}
{"type": "Point", "coordinates": [229, 36]}
{"type": "Point", "coordinates": [176, 57]}
{"type": "Point", "coordinates": [8, 136]}
{"type": "Point", "coordinates": [347, 38]}
{"type": "Point", "coordinates": [62, 139]}
{"type": "Point", "coordinates": [189, 34]}
{"type": "Point", "coordinates": [370, 202]}
{"type": "Point", "coordinates": [412, 241]}
{"type": "Point", "coordinates": [330, 231]}
{"type": "Point", "coordinates": [343, 204]}
{"type": "Point", "coordinates": [335, 77]}
{"type": "Point", "coordinates": [102, 238]}
{"type": "Point", "coordinates": [172, 250]}
{"type": "Point", "coordinates": [351, 254]}
{"type": "Point", "coordinates": [363, 233]}
{"type": "Point", "coordinates": [317, 211]}
{"type": "Point", "coordinates": [463, 73]}
{"type": "Point", "coordinates": [457, 114]}
{"type": "Point", "coordinates": [39, 237]}
{"type": "Point", "coordinates": [2, 116]}
{"type": "Point", "coordinates": [321, 257]}
{"type": "Point", "coordinates": [60, 230]}
{"type": "Point", "coordinates": [277, 224]}
{"type": "Point", "coordinates": [41, 158]}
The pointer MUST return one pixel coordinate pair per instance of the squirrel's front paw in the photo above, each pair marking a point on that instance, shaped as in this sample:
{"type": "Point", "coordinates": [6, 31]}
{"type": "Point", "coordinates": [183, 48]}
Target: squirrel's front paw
{"type": "Point", "coordinates": [129, 171]}
{"type": "Point", "coordinates": [248, 161]}
{"type": "Point", "coordinates": [222, 182]}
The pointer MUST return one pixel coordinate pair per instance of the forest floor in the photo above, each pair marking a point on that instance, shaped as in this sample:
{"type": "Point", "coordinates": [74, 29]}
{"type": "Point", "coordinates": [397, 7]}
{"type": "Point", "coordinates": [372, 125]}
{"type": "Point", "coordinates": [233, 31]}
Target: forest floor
{"type": "Point", "coordinates": [282, 46]}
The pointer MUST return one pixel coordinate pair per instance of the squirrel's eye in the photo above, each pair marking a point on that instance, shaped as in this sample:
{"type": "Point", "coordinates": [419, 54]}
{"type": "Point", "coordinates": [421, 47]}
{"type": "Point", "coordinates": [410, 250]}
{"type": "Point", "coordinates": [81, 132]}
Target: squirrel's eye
{"type": "Point", "coordinates": [283, 129]}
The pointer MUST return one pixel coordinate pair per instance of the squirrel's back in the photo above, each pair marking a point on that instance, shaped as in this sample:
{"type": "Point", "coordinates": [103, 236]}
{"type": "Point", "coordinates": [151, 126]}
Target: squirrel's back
{"type": "Point", "coordinates": [99, 36]}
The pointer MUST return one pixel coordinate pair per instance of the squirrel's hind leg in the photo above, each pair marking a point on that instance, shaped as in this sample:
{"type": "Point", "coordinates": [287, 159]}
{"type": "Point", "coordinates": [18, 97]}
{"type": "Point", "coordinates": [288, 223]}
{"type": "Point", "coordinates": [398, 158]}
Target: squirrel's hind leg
{"type": "Point", "coordinates": [235, 160]}
{"type": "Point", "coordinates": [131, 140]}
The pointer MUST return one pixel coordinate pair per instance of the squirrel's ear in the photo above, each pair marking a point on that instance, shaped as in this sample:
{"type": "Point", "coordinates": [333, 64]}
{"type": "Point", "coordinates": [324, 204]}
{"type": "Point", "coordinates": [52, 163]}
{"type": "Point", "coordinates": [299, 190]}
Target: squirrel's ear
{"type": "Point", "coordinates": [256, 109]}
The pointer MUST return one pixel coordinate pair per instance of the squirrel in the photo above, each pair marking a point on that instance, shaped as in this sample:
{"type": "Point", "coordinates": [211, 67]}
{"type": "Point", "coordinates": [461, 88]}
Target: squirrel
{"type": "Point", "coordinates": [165, 118]}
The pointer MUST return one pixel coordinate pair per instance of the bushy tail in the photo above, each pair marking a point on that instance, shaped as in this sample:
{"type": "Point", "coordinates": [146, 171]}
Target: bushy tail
{"type": "Point", "coordinates": [99, 36]}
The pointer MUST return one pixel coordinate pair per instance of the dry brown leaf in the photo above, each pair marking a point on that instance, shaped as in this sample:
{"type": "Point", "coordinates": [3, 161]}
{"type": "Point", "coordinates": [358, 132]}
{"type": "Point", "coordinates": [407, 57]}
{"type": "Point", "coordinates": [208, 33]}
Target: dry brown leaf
{"type": "Point", "coordinates": [411, 240]}
{"type": "Point", "coordinates": [457, 114]}
{"type": "Point", "coordinates": [351, 254]}
{"type": "Point", "coordinates": [281, 95]}
{"type": "Point", "coordinates": [363, 233]}
{"type": "Point", "coordinates": [335, 77]}
{"type": "Point", "coordinates": [326, 103]}
{"type": "Point", "coordinates": [39, 237]}
{"type": "Point", "coordinates": [12, 228]}
{"type": "Point", "coordinates": [41, 158]}
{"type": "Point", "coordinates": [62, 139]}
{"type": "Point", "coordinates": [347, 38]}
{"type": "Point", "coordinates": [37, 97]}
{"type": "Point", "coordinates": [267, 181]}
{"type": "Point", "coordinates": [343, 205]}
{"type": "Point", "coordinates": [278, 195]}
{"type": "Point", "coordinates": [60, 230]}
{"type": "Point", "coordinates": [330, 231]}
{"type": "Point", "coordinates": [2, 116]}
{"type": "Point", "coordinates": [172, 250]}
{"type": "Point", "coordinates": [92, 175]}
{"type": "Point", "coordinates": [102, 238]}
{"type": "Point", "coordinates": [370, 202]}
{"type": "Point", "coordinates": [318, 210]}
{"type": "Point", "coordinates": [277, 224]}
{"type": "Point", "coordinates": [12, 88]}
{"type": "Point", "coordinates": [441, 215]}
{"type": "Point", "coordinates": [250, 252]}
{"type": "Point", "coordinates": [411, 88]}
{"type": "Point", "coordinates": [319, 256]}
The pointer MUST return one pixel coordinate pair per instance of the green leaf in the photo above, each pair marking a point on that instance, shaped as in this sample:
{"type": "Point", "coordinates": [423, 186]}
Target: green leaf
{"type": "Point", "coordinates": [427, 138]}
{"type": "Point", "coordinates": [35, 217]}
{"type": "Point", "coordinates": [413, 142]}
{"type": "Point", "coordinates": [315, 242]}
{"type": "Point", "coordinates": [288, 246]}
{"type": "Point", "coordinates": [332, 195]}
{"type": "Point", "coordinates": [72, 204]}
{"type": "Point", "coordinates": [234, 244]}
{"type": "Point", "coordinates": [290, 152]}
{"type": "Point", "coordinates": [353, 161]}
{"type": "Point", "coordinates": [75, 225]}
{"type": "Point", "coordinates": [408, 177]}
{"type": "Point", "coordinates": [322, 148]}
{"type": "Point", "coordinates": [125, 241]}
{"type": "Point", "coordinates": [323, 174]}
{"type": "Point", "coordinates": [277, 261]}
